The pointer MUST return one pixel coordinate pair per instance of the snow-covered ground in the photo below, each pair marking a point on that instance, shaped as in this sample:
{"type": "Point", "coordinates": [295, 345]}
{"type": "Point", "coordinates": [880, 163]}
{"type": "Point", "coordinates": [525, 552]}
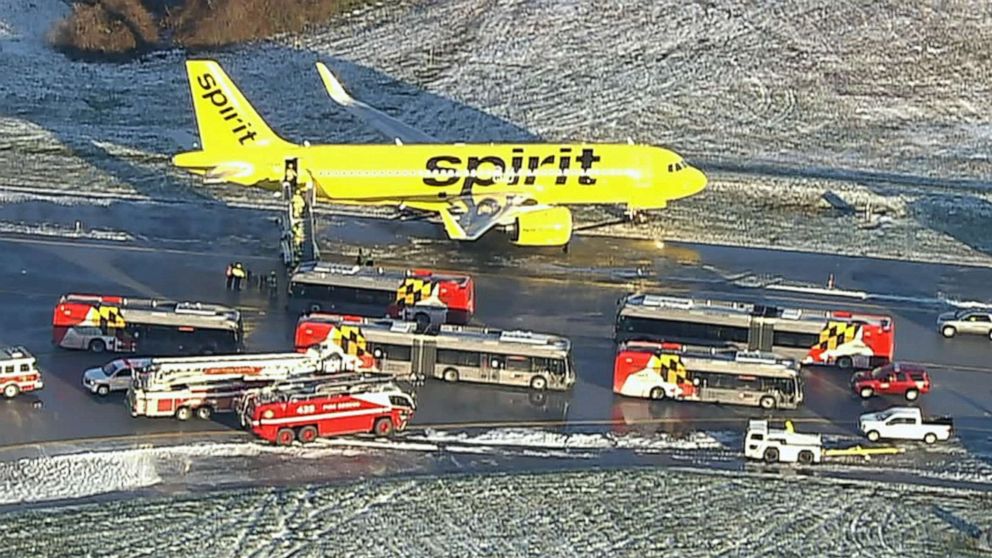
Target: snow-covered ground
{"type": "Point", "coordinates": [85, 469]}
{"type": "Point", "coordinates": [638, 512]}
{"type": "Point", "coordinates": [880, 102]}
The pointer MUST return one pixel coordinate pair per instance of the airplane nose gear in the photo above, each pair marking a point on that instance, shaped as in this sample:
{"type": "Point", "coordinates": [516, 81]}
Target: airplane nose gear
{"type": "Point", "coordinates": [636, 216]}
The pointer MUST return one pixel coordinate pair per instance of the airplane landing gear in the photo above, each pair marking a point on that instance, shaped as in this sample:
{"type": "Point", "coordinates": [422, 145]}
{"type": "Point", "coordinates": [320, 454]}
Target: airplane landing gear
{"type": "Point", "coordinates": [636, 216]}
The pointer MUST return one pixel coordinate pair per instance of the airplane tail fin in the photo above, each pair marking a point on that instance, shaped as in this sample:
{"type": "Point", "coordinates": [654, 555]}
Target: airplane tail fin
{"type": "Point", "coordinates": [225, 119]}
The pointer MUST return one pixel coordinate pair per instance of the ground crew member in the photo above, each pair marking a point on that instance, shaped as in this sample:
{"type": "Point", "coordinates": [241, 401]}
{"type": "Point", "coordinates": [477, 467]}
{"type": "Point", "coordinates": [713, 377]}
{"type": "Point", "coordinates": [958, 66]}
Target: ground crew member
{"type": "Point", "coordinates": [273, 282]}
{"type": "Point", "coordinates": [239, 273]}
{"type": "Point", "coordinates": [229, 274]}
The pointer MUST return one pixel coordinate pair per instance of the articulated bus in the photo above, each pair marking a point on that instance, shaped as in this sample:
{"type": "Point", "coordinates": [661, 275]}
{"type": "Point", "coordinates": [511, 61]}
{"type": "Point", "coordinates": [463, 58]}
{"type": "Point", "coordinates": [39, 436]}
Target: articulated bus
{"type": "Point", "coordinates": [672, 371]}
{"type": "Point", "coordinates": [417, 294]}
{"type": "Point", "coordinates": [451, 353]}
{"type": "Point", "coordinates": [162, 327]}
{"type": "Point", "coordinates": [845, 339]}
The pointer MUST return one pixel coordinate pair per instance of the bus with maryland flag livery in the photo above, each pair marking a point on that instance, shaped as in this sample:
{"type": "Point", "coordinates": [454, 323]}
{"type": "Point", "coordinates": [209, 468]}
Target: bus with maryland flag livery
{"type": "Point", "coordinates": [820, 337]}
{"type": "Point", "coordinates": [671, 371]}
{"type": "Point", "coordinates": [163, 327]}
{"type": "Point", "coordinates": [451, 353]}
{"type": "Point", "coordinates": [416, 294]}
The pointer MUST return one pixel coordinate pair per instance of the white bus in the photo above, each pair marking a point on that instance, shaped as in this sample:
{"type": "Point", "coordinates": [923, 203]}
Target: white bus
{"type": "Point", "coordinates": [821, 337]}
{"type": "Point", "coordinates": [671, 371]}
{"type": "Point", "coordinates": [453, 353]}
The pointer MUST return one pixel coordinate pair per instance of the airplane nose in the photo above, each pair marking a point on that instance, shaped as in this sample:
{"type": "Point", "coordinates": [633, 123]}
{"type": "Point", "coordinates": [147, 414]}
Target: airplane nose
{"type": "Point", "coordinates": [695, 181]}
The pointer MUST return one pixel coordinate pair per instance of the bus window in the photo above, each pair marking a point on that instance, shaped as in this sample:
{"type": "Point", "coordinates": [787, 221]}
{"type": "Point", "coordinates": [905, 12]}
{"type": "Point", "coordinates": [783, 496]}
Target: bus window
{"type": "Point", "coordinates": [673, 329]}
{"type": "Point", "coordinates": [795, 339]}
{"type": "Point", "coordinates": [458, 358]}
{"type": "Point", "coordinates": [518, 363]}
{"type": "Point", "coordinates": [389, 351]}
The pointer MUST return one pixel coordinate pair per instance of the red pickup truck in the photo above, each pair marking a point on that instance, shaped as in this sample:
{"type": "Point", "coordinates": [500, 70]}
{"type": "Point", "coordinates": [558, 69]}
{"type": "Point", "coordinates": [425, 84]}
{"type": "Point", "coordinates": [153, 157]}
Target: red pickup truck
{"type": "Point", "coordinates": [898, 378]}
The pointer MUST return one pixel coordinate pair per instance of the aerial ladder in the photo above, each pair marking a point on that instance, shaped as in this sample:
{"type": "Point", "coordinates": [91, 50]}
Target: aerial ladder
{"type": "Point", "coordinates": [299, 243]}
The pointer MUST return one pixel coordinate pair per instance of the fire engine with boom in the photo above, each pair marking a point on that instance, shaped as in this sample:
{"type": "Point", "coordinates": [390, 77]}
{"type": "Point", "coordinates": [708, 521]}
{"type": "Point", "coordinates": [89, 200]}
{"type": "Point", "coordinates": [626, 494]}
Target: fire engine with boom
{"type": "Point", "coordinates": [348, 404]}
{"type": "Point", "coordinates": [182, 387]}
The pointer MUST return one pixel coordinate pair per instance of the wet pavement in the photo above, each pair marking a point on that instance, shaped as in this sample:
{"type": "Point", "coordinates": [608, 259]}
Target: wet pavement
{"type": "Point", "coordinates": [572, 294]}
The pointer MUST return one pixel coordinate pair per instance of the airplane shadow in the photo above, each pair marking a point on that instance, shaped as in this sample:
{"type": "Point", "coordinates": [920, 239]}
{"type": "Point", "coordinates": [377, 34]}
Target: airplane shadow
{"type": "Point", "coordinates": [124, 120]}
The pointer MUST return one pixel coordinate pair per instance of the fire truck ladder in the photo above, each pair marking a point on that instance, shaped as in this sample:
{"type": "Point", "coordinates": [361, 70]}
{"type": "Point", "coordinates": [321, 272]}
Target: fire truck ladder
{"type": "Point", "coordinates": [313, 386]}
{"type": "Point", "coordinates": [299, 243]}
{"type": "Point", "coordinates": [194, 372]}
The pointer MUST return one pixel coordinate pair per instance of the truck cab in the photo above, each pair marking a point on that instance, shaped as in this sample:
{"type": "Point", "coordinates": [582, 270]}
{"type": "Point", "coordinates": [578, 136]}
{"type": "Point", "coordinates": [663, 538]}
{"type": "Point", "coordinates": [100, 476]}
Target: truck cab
{"type": "Point", "coordinates": [907, 380]}
{"type": "Point", "coordinates": [905, 423]}
{"type": "Point", "coordinates": [114, 376]}
{"type": "Point", "coordinates": [781, 445]}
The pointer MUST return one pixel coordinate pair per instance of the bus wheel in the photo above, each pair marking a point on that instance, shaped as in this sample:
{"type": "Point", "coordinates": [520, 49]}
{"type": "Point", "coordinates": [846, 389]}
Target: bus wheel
{"type": "Point", "coordinates": [845, 363]}
{"type": "Point", "coordinates": [184, 413]}
{"type": "Point", "coordinates": [539, 383]}
{"type": "Point", "coordinates": [97, 346]}
{"type": "Point", "coordinates": [450, 375]}
{"type": "Point", "coordinates": [284, 436]}
{"type": "Point", "coordinates": [771, 455]}
{"type": "Point", "coordinates": [307, 434]}
{"type": "Point", "coordinates": [806, 457]}
{"type": "Point", "coordinates": [767, 402]}
{"type": "Point", "coordinates": [10, 391]}
{"type": "Point", "coordinates": [204, 412]}
{"type": "Point", "coordinates": [383, 427]}
{"type": "Point", "coordinates": [657, 394]}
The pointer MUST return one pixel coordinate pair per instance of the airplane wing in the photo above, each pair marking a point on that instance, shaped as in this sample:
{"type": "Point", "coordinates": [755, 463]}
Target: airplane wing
{"type": "Point", "coordinates": [468, 219]}
{"type": "Point", "coordinates": [379, 120]}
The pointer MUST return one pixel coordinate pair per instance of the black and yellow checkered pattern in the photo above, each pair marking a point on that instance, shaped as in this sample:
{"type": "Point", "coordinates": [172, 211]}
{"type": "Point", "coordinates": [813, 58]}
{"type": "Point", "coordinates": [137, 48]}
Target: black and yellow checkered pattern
{"type": "Point", "coordinates": [670, 368]}
{"type": "Point", "coordinates": [350, 339]}
{"type": "Point", "coordinates": [413, 290]}
{"type": "Point", "coordinates": [836, 334]}
{"type": "Point", "coordinates": [110, 316]}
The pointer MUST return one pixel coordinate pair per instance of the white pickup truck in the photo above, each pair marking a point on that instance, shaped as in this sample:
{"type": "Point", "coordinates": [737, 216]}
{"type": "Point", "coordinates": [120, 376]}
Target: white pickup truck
{"type": "Point", "coordinates": [905, 423]}
{"type": "Point", "coordinates": [781, 446]}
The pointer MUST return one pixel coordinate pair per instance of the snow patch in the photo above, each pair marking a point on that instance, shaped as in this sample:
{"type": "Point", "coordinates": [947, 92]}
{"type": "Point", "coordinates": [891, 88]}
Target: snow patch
{"type": "Point", "coordinates": [53, 230]}
{"type": "Point", "coordinates": [78, 475]}
{"type": "Point", "coordinates": [503, 437]}
{"type": "Point", "coordinates": [75, 476]}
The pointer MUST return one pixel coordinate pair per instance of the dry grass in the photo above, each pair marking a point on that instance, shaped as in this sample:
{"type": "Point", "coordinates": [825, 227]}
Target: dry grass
{"type": "Point", "coordinates": [106, 27]}
{"type": "Point", "coordinates": [121, 27]}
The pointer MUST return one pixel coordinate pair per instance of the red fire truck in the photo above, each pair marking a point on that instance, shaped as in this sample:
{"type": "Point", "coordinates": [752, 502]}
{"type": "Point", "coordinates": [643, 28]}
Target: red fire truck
{"type": "Point", "coordinates": [201, 386]}
{"type": "Point", "coordinates": [822, 337]}
{"type": "Point", "coordinates": [415, 294]}
{"type": "Point", "coordinates": [308, 410]}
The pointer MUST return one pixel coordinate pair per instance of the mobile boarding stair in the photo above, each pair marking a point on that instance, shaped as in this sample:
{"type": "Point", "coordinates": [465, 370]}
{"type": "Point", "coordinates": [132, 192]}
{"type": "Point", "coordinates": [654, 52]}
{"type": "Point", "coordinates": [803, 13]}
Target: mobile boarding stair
{"type": "Point", "coordinates": [299, 242]}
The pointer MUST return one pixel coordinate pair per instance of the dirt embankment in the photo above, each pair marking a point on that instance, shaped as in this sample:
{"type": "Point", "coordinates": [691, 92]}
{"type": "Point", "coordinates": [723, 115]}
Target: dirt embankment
{"type": "Point", "coordinates": [122, 28]}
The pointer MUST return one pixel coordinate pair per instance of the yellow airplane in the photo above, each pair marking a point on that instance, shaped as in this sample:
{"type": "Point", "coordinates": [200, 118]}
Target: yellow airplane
{"type": "Point", "coordinates": [519, 188]}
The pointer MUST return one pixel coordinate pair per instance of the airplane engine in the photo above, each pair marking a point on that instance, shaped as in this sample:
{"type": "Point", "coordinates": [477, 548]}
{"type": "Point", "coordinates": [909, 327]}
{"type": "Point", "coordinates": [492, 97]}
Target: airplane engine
{"type": "Point", "coordinates": [544, 227]}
